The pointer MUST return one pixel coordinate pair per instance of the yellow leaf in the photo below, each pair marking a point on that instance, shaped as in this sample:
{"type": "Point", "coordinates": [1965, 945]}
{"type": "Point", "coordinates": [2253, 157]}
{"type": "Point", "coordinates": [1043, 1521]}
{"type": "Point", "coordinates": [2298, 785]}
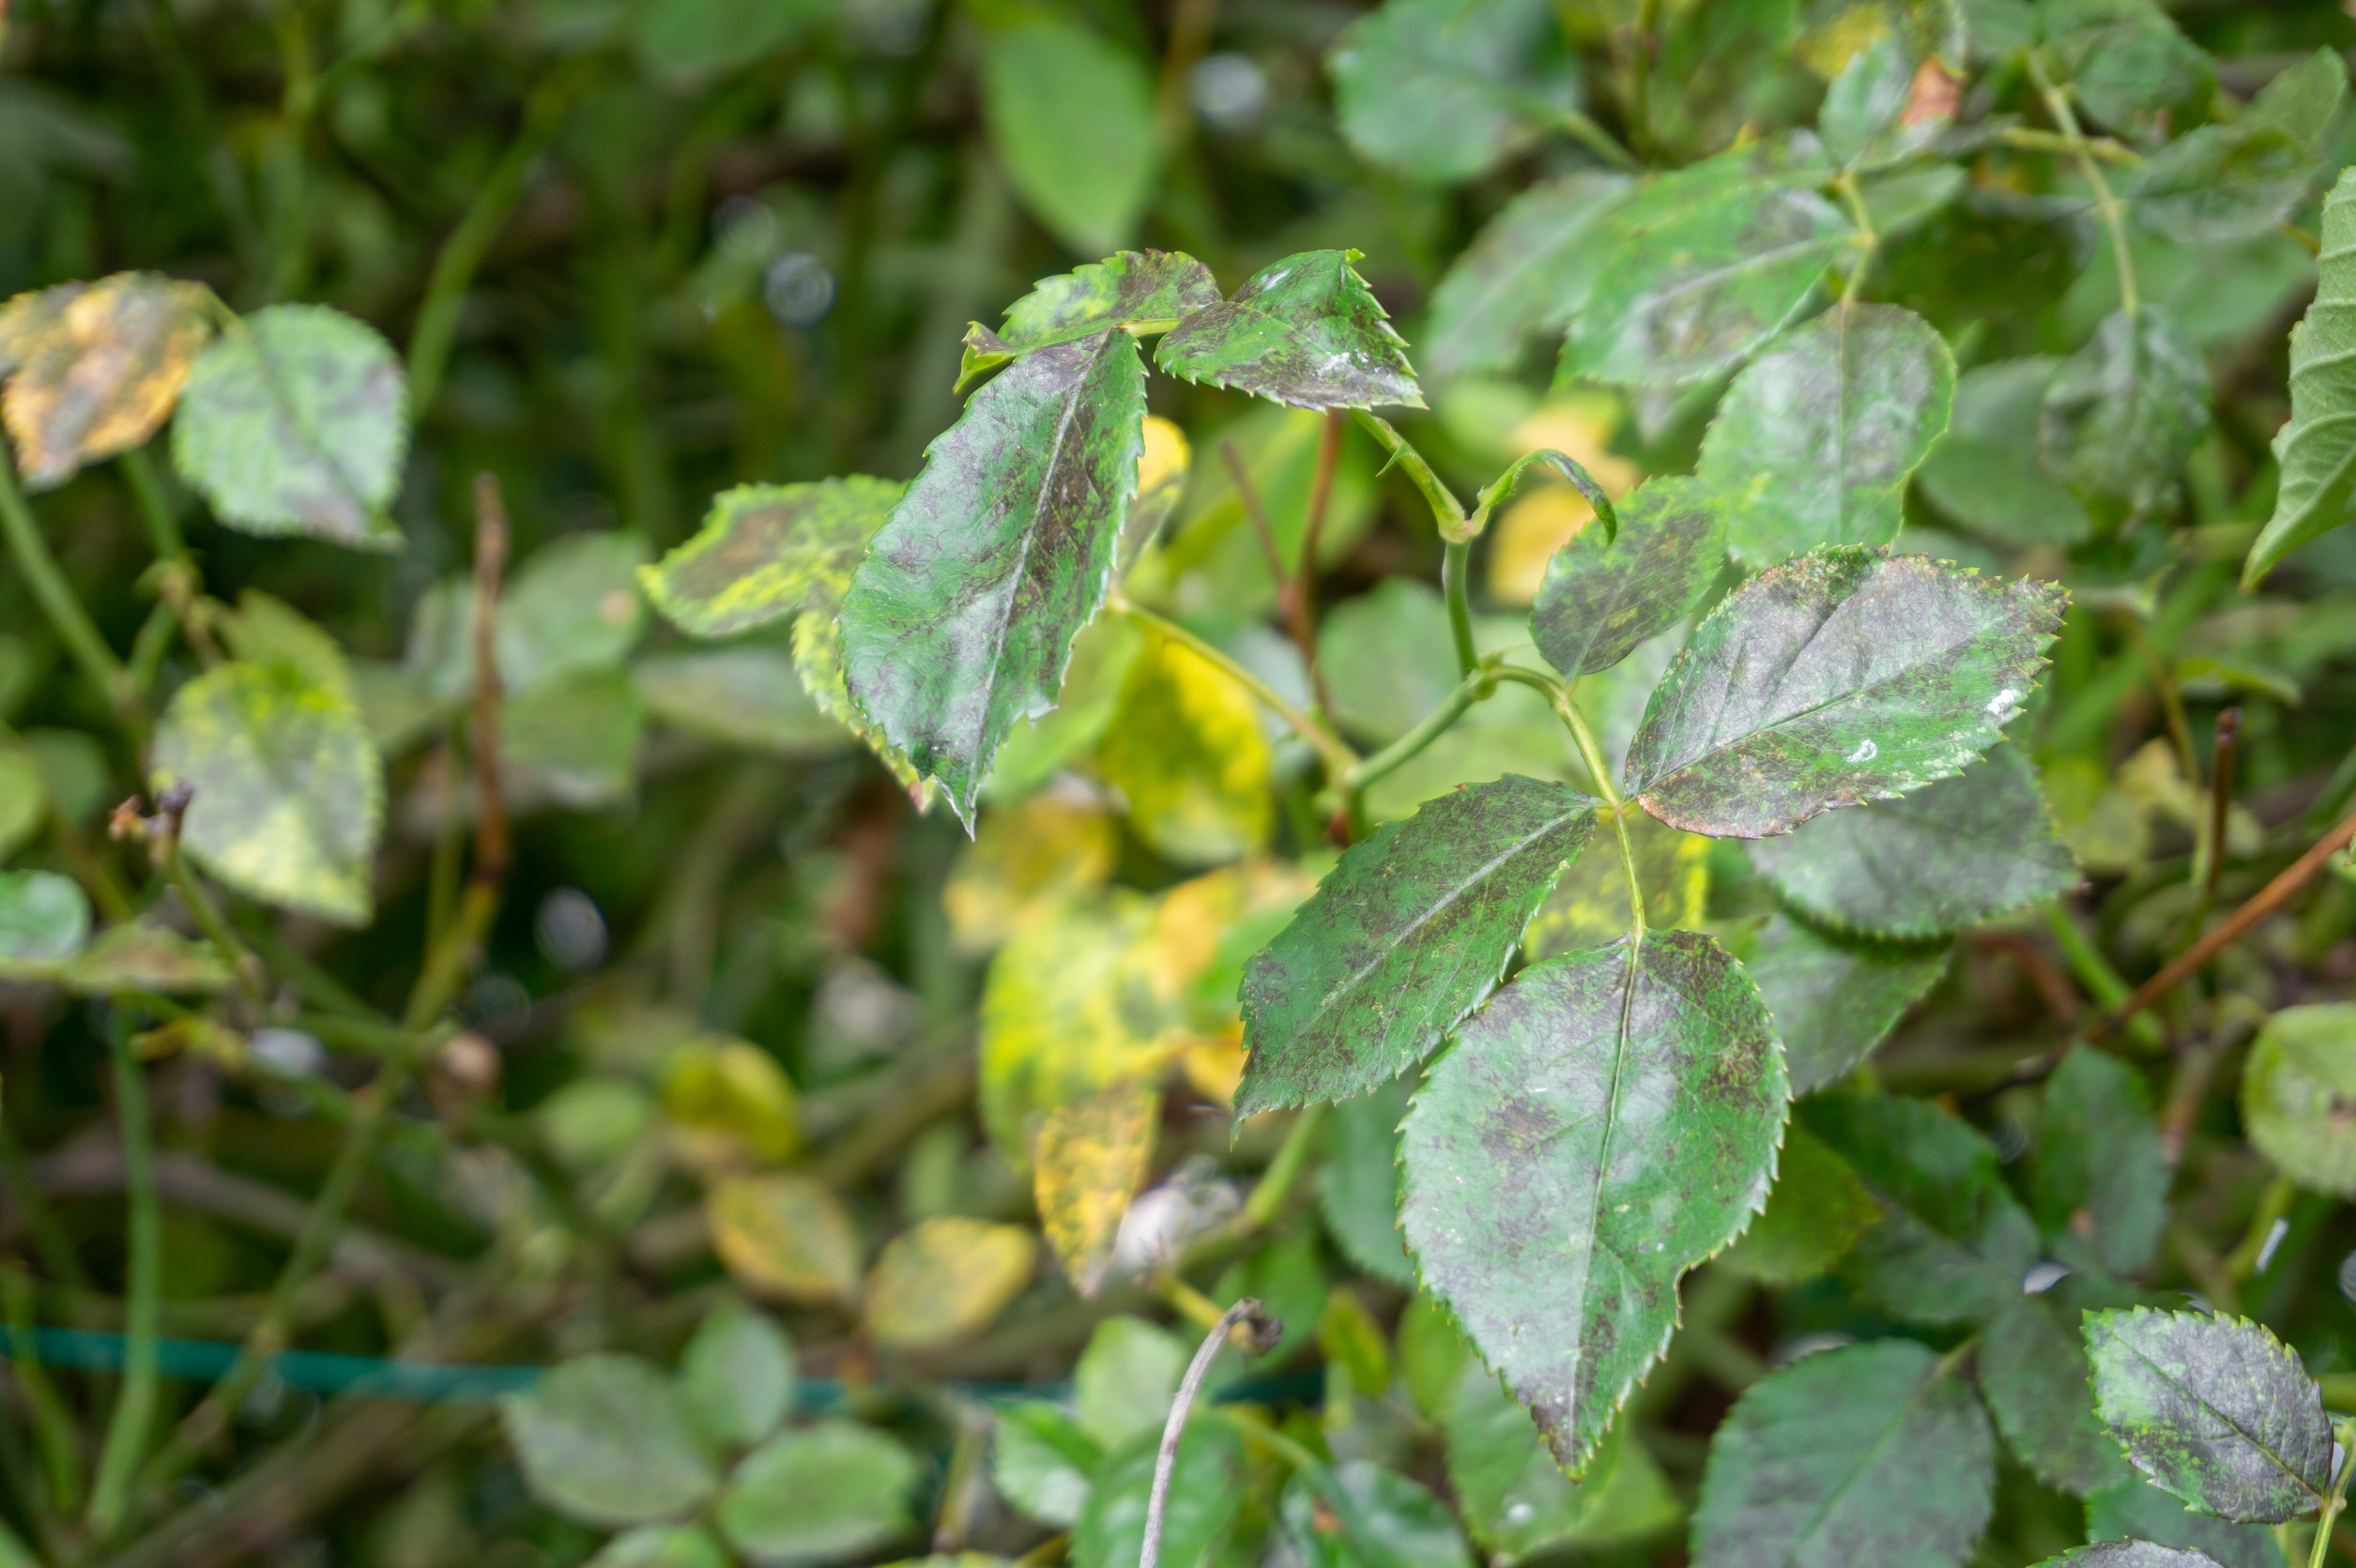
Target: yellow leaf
{"type": "Point", "coordinates": [1090, 1158]}
{"type": "Point", "coordinates": [1027, 861]}
{"type": "Point", "coordinates": [1588, 907]}
{"type": "Point", "coordinates": [785, 1236]}
{"type": "Point", "coordinates": [1187, 756]}
{"type": "Point", "coordinates": [735, 1093]}
{"type": "Point", "coordinates": [94, 368]}
{"type": "Point", "coordinates": [1072, 1006]}
{"type": "Point", "coordinates": [1550, 513]}
{"type": "Point", "coordinates": [1213, 1065]}
{"type": "Point", "coordinates": [1161, 479]}
{"type": "Point", "coordinates": [946, 1279]}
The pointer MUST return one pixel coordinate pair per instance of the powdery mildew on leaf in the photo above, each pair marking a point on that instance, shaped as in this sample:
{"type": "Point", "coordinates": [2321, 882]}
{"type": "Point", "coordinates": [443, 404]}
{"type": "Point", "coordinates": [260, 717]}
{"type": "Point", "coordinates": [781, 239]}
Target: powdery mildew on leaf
{"type": "Point", "coordinates": [1834, 999]}
{"type": "Point", "coordinates": [1607, 1123]}
{"type": "Point", "coordinates": [1603, 596]}
{"type": "Point", "coordinates": [1306, 331]}
{"type": "Point", "coordinates": [767, 551]}
{"type": "Point", "coordinates": [1130, 287]}
{"type": "Point", "coordinates": [1845, 676]}
{"type": "Point", "coordinates": [960, 621]}
{"type": "Point", "coordinates": [1526, 272]}
{"type": "Point", "coordinates": [2125, 411]}
{"type": "Point", "coordinates": [1870, 1453]}
{"type": "Point", "coordinates": [2214, 1409]}
{"type": "Point", "coordinates": [1402, 938]}
{"type": "Point", "coordinates": [2130, 1553]}
{"type": "Point", "coordinates": [92, 369]}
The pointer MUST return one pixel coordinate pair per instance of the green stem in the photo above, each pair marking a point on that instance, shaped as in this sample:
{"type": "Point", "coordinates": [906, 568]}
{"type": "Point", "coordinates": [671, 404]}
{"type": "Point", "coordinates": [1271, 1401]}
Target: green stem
{"type": "Point", "coordinates": [1334, 754]}
{"type": "Point", "coordinates": [1472, 688]}
{"type": "Point", "coordinates": [1599, 141]}
{"type": "Point", "coordinates": [1276, 1183]}
{"type": "Point", "coordinates": [53, 1428]}
{"type": "Point", "coordinates": [2346, 1433]}
{"type": "Point", "coordinates": [56, 596]}
{"type": "Point", "coordinates": [2273, 1202]}
{"type": "Point", "coordinates": [146, 491]}
{"type": "Point", "coordinates": [2114, 215]}
{"type": "Point", "coordinates": [1868, 240]}
{"type": "Point", "coordinates": [2102, 983]}
{"type": "Point", "coordinates": [1455, 567]}
{"type": "Point", "coordinates": [208, 920]}
{"type": "Point", "coordinates": [1446, 510]}
{"type": "Point", "coordinates": [134, 1415]}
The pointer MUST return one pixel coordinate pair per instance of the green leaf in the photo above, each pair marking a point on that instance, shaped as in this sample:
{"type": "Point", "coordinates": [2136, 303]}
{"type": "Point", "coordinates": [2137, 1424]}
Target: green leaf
{"type": "Point", "coordinates": [574, 746]}
{"type": "Point", "coordinates": [24, 800]}
{"type": "Point", "coordinates": [289, 795]}
{"type": "Point", "coordinates": [1040, 1460]}
{"type": "Point", "coordinates": [2125, 411]}
{"type": "Point", "coordinates": [43, 916]}
{"type": "Point", "coordinates": [2214, 1409]}
{"type": "Point", "coordinates": [748, 696]}
{"type": "Point", "coordinates": [298, 423]}
{"type": "Point", "coordinates": [2139, 1509]}
{"type": "Point", "coordinates": [1835, 998]}
{"type": "Point", "coordinates": [1527, 272]}
{"type": "Point", "coordinates": [1385, 658]}
{"type": "Point", "coordinates": [1402, 938]}
{"type": "Point", "coordinates": [1870, 1453]}
{"type": "Point", "coordinates": [1442, 89]}
{"type": "Point", "coordinates": [1304, 331]}
{"type": "Point", "coordinates": [961, 619]}
{"type": "Point", "coordinates": [2130, 1553]}
{"type": "Point", "coordinates": [2035, 1376]}
{"type": "Point", "coordinates": [608, 1441]}
{"type": "Point", "coordinates": [2303, 101]}
{"type": "Point", "coordinates": [738, 1375]}
{"type": "Point", "coordinates": [1601, 597]}
{"type": "Point", "coordinates": [1704, 268]}
{"type": "Point", "coordinates": [767, 551]}
{"type": "Point", "coordinates": [573, 609]}
{"type": "Point", "coordinates": [1985, 474]}
{"type": "Point", "coordinates": [1815, 437]}
{"type": "Point", "coordinates": [1953, 1242]}
{"type": "Point", "coordinates": [1589, 909]}
{"type": "Point", "coordinates": [2102, 1181]}
{"type": "Point", "coordinates": [2220, 183]}
{"type": "Point", "coordinates": [2295, 1091]}
{"type": "Point", "coordinates": [819, 1494]}
{"type": "Point", "coordinates": [1846, 675]}
{"type": "Point", "coordinates": [2127, 63]}
{"type": "Point", "coordinates": [1357, 1186]}
{"type": "Point", "coordinates": [1186, 755]}
{"type": "Point", "coordinates": [1606, 1123]}
{"type": "Point", "coordinates": [1360, 1516]}
{"type": "Point", "coordinates": [684, 42]}
{"type": "Point", "coordinates": [1517, 1501]}
{"type": "Point", "coordinates": [2315, 448]}
{"type": "Point", "coordinates": [1125, 1379]}
{"type": "Point", "coordinates": [1038, 748]}
{"type": "Point", "coordinates": [1204, 1498]}
{"type": "Point", "coordinates": [1814, 1215]}
{"type": "Point", "coordinates": [1861, 122]}
{"type": "Point", "coordinates": [1071, 117]}
{"type": "Point", "coordinates": [1960, 851]}
{"type": "Point", "coordinates": [662, 1546]}
{"type": "Point", "coordinates": [1141, 290]}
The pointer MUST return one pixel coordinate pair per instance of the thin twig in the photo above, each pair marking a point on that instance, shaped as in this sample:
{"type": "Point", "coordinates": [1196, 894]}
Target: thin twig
{"type": "Point", "coordinates": [1250, 495]}
{"type": "Point", "coordinates": [2220, 806]}
{"type": "Point", "coordinates": [1263, 1332]}
{"type": "Point", "coordinates": [490, 562]}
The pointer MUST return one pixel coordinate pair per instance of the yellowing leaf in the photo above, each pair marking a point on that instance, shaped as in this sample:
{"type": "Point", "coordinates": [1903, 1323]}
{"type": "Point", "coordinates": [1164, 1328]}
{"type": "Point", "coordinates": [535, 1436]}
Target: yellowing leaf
{"type": "Point", "coordinates": [733, 1092]}
{"type": "Point", "coordinates": [1186, 753]}
{"type": "Point", "coordinates": [1025, 861]}
{"type": "Point", "coordinates": [1213, 1065]}
{"type": "Point", "coordinates": [947, 1279]}
{"type": "Point", "coordinates": [1161, 481]}
{"type": "Point", "coordinates": [94, 368]}
{"type": "Point", "coordinates": [1091, 1157]}
{"type": "Point", "coordinates": [785, 1236]}
{"type": "Point", "coordinates": [1588, 907]}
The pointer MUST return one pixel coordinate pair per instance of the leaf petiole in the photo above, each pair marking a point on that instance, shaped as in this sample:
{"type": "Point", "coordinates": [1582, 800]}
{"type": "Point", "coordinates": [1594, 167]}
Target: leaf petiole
{"type": "Point", "coordinates": [2345, 1434]}
{"type": "Point", "coordinates": [1446, 511]}
{"type": "Point", "coordinates": [2114, 215]}
{"type": "Point", "coordinates": [1600, 772]}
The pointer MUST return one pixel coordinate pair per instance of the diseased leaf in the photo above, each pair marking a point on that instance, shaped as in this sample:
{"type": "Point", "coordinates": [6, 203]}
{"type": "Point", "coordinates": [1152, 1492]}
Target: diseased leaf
{"type": "Point", "coordinates": [267, 631]}
{"type": "Point", "coordinates": [1027, 861]}
{"type": "Point", "coordinates": [1205, 1495]}
{"type": "Point", "coordinates": [2034, 1375]}
{"type": "Point", "coordinates": [1845, 676]}
{"type": "Point", "coordinates": [738, 1375]}
{"type": "Point", "coordinates": [137, 957]}
{"type": "Point", "coordinates": [607, 1439]}
{"type": "Point", "coordinates": [289, 795]}
{"type": "Point", "coordinates": [1131, 289]}
{"type": "Point", "coordinates": [1984, 474]}
{"type": "Point", "coordinates": [818, 659]}
{"type": "Point", "coordinates": [1607, 1122]}
{"type": "Point", "coordinates": [2102, 1181]}
{"type": "Point", "coordinates": [1186, 754]}
{"type": "Point", "coordinates": [1706, 265]}
{"type": "Point", "coordinates": [1602, 596]}
{"type": "Point", "coordinates": [1815, 1213]}
{"type": "Point", "coordinates": [1834, 999]}
{"type": "Point", "coordinates": [2315, 448]}
{"type": "Point", "coordinates": [734, 1093]}
{"type": "Point", "coordinates": [1870, 1454]}
{"type": "Point", "coordinates": [1960, 851]}
{"type": "Point", "coordinates": [824, 1493]}
{"type": "Point", "coordinates": [960, 620]}
{"type": "Point", "coordinates": [92, 369]}
{"type": "Point", "coordinates": [1304, 331]}
{"type": "Point", "coordinates": [1071, 117]}
{"type": "Point", "coordinates": [1527, 272]}
{"type": "Point", "coordinates": [1516, 1499]}
{"type": "Point", "coordinates": [1815, 437]}
{"type": "Point", "coordinates": [2297, 1088]}
{"type": "Point", "coordinates": [2219, 183]}
{"type": "Point", "coordinates": [768, 551]}
{"type": "Point", "coordinates": [1089, 1160]}
{"type": "Point", "coordinates": [1870, 116]}
{"type": "Point", "coordinates": [1442, 90]}
{"type": "Point", "coordinates": [1588, 907]}
{"type": "Point", "coordinates": [2214, 1409]}
{"type": "Point", "coordinates": [2130, 1553]}
{"type": "Point", "coordinates": [946, 1279]}
{"type": "Point", "coordinates": [1357, 1186]}
{"type": "Point", "coordinates": [2138, 1508]}
{"type": "Point", "coordinates": [1038, 748]}
{"type": "Point", "coordinates": [1403, 939]}
{"type": "Point", "coordinates": [2125, 411]}
{"type": "Point", "coordinates": [44, 918]}
{"type": "Point", "coordinates": [1360, 1516]}
{"type": "Point", "coordinates": [785, 1236]}
{"type": "Point", "coordinates": [296, 421]}
{"type": "Point", "coordinates": [1953, 1242]}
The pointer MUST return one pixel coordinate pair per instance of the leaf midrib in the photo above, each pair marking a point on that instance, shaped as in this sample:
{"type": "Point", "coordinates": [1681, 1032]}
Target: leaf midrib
{"type": "Point", "coordinates": [2243, 1433]}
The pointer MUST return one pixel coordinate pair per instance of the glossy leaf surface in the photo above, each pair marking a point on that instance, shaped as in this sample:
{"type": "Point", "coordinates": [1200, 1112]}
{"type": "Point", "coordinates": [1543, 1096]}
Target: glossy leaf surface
{"type": "Point", "coordinates": [1304, 331]}
{"type": "Point", "coordinates": [1403, 939]}
{"type": "Point", "coordinates": [767, 551]}
{"type": "Point", "coordinates": [1607, 1122]}
{"type": "Point", "coordinates": [1845, 676]}
{"type": "Point", "coordinates": [2214, 1409]}
{"type": "Point", "coordinates": [961, 619]}
{"type": "Point", "coordinates": [1815, 438]}
{"type": "Point", "coordinates": [1602, 596]}
{"type": "Point", "coordinates": [2316, 448]}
